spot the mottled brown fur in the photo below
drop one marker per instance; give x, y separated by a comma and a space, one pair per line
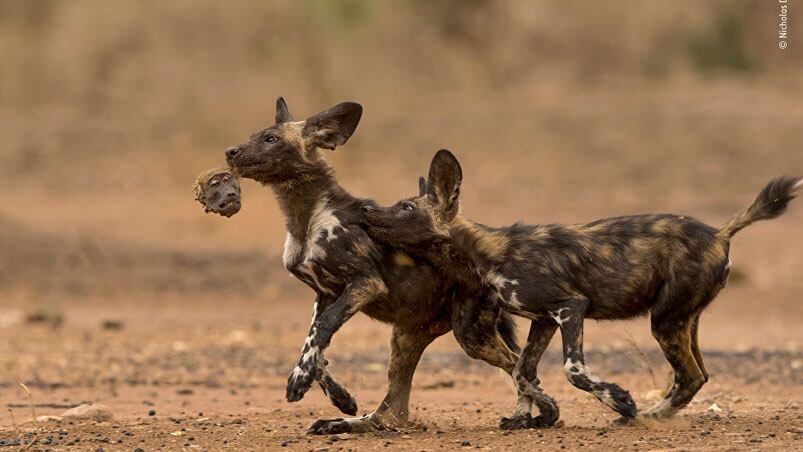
328, 250
210, 188
400, 258
667, 265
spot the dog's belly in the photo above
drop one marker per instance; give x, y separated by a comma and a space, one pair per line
330, 257
415, 300
417, 294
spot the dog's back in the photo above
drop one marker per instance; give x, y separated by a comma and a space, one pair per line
619, 264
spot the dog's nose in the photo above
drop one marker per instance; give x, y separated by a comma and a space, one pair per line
232, 152
231, 195
367, 209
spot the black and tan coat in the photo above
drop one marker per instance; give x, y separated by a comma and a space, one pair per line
327, 249
670, 266
218, 191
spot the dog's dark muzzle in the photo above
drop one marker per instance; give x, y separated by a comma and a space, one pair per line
232, 153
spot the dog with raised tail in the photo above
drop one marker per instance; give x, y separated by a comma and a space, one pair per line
668, 266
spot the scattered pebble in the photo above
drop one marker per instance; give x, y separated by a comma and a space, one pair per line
49, 419
112, 325
714, 408
654, 394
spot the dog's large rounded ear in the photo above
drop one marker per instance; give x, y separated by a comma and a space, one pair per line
282, 112
422, 186
333, 127
445, 177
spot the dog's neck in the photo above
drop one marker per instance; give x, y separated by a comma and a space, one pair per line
299, 196
471, 250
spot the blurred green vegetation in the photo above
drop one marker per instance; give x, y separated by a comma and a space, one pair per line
721, 47
559, 111
86, 83
344, 13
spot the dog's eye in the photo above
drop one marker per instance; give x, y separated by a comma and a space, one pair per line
271, 139
408, 207
213, 182
226, 178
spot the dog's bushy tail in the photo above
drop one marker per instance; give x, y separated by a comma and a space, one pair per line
769, 204
506, 328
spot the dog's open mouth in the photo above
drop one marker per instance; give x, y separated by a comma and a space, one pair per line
228, 204
225, 209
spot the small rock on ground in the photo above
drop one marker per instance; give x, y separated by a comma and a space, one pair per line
88, 412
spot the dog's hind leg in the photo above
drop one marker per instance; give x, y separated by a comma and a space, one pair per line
570, 317
695, 347
406, 348
405, 352
336, 393
475, 326
675, 338
525, 377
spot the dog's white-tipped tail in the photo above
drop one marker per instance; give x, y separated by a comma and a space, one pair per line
769, 204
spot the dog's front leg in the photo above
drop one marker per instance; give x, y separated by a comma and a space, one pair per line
336, 393
354, 297
406, 347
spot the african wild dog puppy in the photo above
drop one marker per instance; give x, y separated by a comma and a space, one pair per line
218, 190
350, 273
671, 266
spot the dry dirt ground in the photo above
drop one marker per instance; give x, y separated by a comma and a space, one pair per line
202, 328
208, 374
203, 338
115, 289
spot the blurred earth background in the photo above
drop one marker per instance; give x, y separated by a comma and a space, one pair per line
115, 288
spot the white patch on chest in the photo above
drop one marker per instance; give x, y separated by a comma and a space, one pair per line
292, 250
305, 256
323, 219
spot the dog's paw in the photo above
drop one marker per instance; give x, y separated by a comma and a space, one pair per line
340, 425
339, 397
548, 410
524, 422
623, 403
298, 384
622, 421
